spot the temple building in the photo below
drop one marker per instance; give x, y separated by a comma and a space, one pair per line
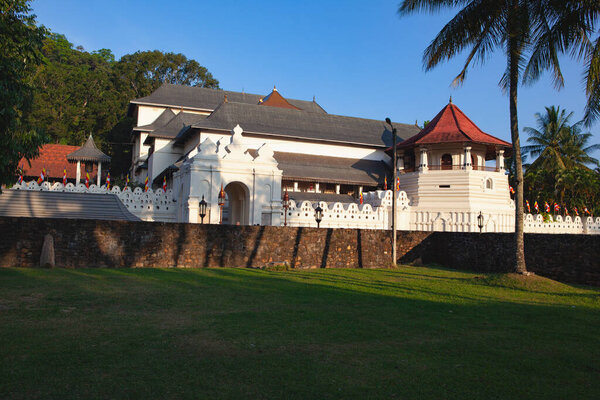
256, 148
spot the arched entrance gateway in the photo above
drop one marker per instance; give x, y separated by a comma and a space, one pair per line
237, 207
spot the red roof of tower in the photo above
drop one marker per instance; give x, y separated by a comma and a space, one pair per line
274, 99
53, 157
451, 125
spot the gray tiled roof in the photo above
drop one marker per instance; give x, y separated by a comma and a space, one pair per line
41, 204
209, 99
176, 125
88, 152
162, 120
299, 124
303, 167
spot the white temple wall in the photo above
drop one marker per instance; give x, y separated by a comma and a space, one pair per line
164, 155
305, 147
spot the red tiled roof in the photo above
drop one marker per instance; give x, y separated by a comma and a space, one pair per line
53, 157
274, 99
451, 125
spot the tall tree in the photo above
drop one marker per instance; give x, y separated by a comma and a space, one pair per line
481, 27
557, 143
569, 27
20, 45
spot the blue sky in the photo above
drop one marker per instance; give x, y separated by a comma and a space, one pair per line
357, 58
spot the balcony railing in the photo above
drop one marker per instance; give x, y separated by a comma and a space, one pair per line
453, 167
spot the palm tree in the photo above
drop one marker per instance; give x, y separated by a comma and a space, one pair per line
568, 27
556, 143
482, 26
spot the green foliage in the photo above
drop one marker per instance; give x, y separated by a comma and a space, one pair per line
78, 92
410, 333
20, 53
560, 173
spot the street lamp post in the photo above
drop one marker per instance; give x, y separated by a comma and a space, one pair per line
389, 122
202, 209
221, 203
480, 221
318, 215
286, 205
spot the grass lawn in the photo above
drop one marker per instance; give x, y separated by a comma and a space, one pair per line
415, 332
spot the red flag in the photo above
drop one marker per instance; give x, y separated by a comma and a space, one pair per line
87, 180
512, 191
361, 198
546, 207
65, 177
585, 210
397, 184
20, 180
146, 184
42, 176
108, 180
527, 205
164, 183
385, 182
556, 208
537, 207
126, 182
576, 211
566, 211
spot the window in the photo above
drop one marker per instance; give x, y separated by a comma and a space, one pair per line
489, 184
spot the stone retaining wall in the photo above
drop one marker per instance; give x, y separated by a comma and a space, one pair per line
92, 243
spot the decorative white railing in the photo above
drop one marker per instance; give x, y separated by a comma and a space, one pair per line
559, 224
375, 213
153, 205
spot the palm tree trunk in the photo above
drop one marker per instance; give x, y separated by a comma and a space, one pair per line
514, 56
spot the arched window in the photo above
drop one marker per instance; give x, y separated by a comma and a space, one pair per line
489, 184
446, 161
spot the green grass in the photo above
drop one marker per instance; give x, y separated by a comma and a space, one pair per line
415, 333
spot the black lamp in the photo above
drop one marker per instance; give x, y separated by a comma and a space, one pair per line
318, 215
202, 209
480, 221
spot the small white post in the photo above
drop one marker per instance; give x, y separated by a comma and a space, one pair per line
337, 189
78, 176
500, 160
295, 186
423, 165
99, 174
467, 161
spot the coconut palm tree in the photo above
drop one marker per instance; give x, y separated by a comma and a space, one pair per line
481, 27
556, 143
569, 27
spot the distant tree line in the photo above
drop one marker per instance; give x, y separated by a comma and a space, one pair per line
77, 92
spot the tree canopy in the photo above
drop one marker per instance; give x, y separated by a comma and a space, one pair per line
20, 53
79, 92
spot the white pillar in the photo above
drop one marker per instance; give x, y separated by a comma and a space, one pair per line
99, 174
317, 188
295, 186
193, 210
500, 160
78, 176
423, 164
467, 158
337, 189
400, 162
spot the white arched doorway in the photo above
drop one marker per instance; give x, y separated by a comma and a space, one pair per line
237, 206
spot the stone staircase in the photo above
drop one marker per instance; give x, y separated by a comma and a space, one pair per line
42, 204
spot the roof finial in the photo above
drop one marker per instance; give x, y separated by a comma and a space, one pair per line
225, 99
274, 88
450, 101
314, 99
